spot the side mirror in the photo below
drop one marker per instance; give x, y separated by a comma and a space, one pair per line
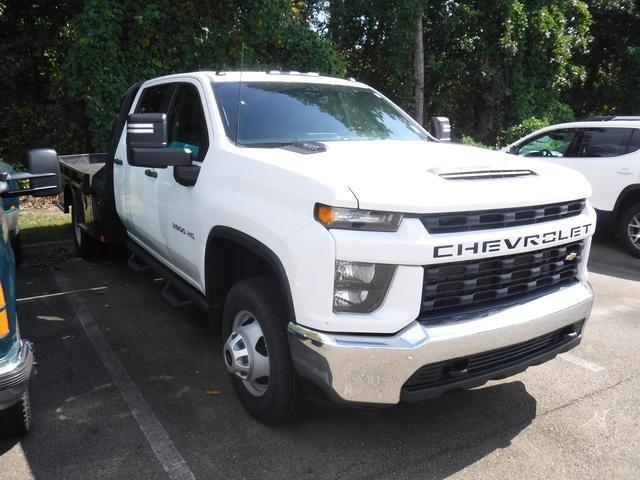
43, 175
44, 161
441, 128
148, 142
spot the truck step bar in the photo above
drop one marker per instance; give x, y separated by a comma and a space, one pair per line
137, 264
183, 289
174, 297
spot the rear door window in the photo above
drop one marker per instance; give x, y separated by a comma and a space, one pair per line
603, 142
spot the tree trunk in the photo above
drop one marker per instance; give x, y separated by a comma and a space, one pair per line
419, 72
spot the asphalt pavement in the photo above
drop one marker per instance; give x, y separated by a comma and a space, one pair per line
130, 387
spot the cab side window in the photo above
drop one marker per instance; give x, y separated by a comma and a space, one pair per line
550, 144
187, 124
603, 142
154, 99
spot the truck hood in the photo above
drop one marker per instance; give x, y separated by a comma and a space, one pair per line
425, 177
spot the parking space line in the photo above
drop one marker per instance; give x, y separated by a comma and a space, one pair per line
40, 297
162, 446
581, 362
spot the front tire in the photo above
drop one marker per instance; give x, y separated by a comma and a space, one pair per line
16, 420
629, 229
256, 352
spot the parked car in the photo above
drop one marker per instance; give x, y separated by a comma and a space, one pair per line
606, 150
346, 253
11, 206
16, 353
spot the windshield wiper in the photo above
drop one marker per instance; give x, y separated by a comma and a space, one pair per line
295, 146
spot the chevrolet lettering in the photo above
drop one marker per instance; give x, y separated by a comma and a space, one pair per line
324, 245
514, 243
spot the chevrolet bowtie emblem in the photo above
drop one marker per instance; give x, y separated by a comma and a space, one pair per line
571, 256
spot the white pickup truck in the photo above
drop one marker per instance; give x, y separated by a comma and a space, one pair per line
348, 255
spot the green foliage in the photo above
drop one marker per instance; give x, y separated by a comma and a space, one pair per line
488, 65
68, 65
525, 127
496, 68
612, 62
467, 140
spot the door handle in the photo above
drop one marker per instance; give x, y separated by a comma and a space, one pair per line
151, 173
624, 171
117, 161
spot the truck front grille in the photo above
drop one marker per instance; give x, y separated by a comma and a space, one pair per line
459, 287
503, 218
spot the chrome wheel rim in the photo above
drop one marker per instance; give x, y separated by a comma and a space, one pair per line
245, 353
633, 231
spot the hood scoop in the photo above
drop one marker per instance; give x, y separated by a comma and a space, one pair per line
482, 174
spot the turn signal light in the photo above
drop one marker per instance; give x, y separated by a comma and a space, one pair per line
4, 316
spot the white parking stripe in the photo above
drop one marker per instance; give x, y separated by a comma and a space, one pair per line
581, 362
160, 443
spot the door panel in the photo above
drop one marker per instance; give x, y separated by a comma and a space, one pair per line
179, 208
139, 198
602, 157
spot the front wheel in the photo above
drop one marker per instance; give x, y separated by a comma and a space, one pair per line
629, 229
16, 420
256, 352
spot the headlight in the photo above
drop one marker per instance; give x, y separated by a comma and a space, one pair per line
360, 287
356, 219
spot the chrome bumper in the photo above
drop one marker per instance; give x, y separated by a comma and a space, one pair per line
373, 369
15, 374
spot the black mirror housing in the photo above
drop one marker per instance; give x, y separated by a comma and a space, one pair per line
441, 128
159, 157
147, 130
148, 140
44, 161
43, 175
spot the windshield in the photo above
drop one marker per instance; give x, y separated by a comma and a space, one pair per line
273, 113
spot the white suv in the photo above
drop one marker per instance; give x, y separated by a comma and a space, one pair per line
606, 150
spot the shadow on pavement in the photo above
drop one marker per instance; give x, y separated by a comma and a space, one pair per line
84, 429
432, 439
609, 257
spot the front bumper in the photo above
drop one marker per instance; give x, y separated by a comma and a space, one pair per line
372, 369
15, 374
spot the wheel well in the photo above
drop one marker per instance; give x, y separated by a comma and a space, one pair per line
232, 256
627, 198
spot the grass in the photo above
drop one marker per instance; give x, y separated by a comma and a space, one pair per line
44, 225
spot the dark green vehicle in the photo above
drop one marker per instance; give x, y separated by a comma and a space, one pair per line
16, 353
11, 207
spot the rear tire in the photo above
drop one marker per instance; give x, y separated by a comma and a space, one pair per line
629, 229
16, 420
277, 396
86, 246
